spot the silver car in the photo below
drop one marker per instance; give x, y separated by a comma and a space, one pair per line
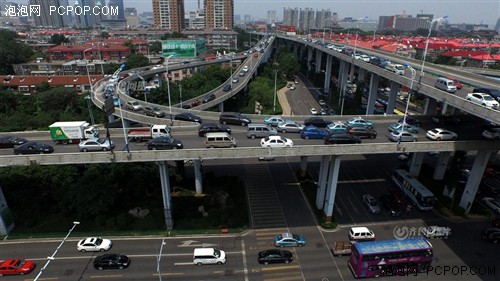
96, 144
404, 136
290, 126
371, 203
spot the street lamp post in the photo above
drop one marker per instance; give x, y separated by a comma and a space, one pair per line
87, 68
89, 106
121, 114
426, 47
100, 57
159, 259
413, 74
51, 258
180, 93
168, 89
275, 80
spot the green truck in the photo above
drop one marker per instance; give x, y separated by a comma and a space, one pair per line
72, 132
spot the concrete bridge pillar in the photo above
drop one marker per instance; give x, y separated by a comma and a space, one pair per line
475, 176
221, 106
416, 163
328, 74
430, 106
351, 73
445, 108
296, 49
393, 93
343, 75
372, 96
323, 176
165, 191
319, 55
332, 187
441, 165
361, 75
309, 58
198, 177
303, 166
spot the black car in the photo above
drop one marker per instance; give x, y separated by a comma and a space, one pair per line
11, 141
362, 132
275, 256
213, 128
207, 98
227, 88
491, 234
33, 148
235, 118
488, 189
410, 121
449, 120
111, 261
342, 138
494, 93
164, 143
186, 116
317, 122
390, 205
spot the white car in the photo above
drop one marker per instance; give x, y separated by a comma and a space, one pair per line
492, 134
492, 204
313, 111
245, 68
94, 244
133, 105
96, 144
292, 87
441, 134
322, 102
483, 99
276, 141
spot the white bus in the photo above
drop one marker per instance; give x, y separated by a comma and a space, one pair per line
421, 197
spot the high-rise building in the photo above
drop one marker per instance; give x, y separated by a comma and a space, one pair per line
271, 17
121, 9
195, 19
497, 26
291, 17
169, 14
84, 20
323, 18
219, 14
46, 19
247, 18
131, 17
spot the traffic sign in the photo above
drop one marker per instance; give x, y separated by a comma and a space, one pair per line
109, 107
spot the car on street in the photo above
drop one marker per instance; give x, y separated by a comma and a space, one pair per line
11, 141
435, 231
491, 134
94, 244
491, 234
245, 68
275, 256
164, 143
410, 120
403, 137
371, 203
390, 205
236, 79
190, 117
487, 188
292, 87
227, 88
208, 97
290, 126
313, 132
446, 120
32, 147
153, 111
96, 144
213, 128
482, 99
495, 93
362, 132
317, 121
457, 83
288, 239
322, 102
398, 127
16, 267
273, 120
439, 134
313, 111
133, 105
492, 203
276, 141
341, 138
337, 127
242, 73
111, 261
358, 121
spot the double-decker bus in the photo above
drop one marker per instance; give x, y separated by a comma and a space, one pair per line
421, 197
390, 257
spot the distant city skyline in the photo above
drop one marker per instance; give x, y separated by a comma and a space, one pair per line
458, 11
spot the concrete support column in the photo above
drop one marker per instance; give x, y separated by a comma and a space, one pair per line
309, 58
372, 96
323, 176
221, 106
319, 55
198, 177
351, 71
332, 187
441, 165
126, 123
328, 74
165, 191
416, 163
430, 106
343, 75
303, 166
361, 76
111, 118
476, 174
444, 109
393, 94
295, 49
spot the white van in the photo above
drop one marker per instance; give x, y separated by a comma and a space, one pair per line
217, 140
361, 234
396, 68
260, 131
208, 256
446, 85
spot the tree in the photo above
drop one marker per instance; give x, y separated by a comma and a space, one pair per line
155, 47
131, 45
12, 52
136, 60
58, 39
104, 35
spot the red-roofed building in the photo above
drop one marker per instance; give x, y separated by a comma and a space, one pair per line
75, 52
28, 84
141, 45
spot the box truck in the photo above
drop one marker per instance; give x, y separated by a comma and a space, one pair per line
72, 132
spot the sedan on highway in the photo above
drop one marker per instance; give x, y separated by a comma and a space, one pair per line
390, 204
186, 116
133, 105
274, 120
371, 203
317, 121
439, 134
313, 132
337, 126
276, 141
96, 144
290, 126
410, 120
275, 256
313, 111
208, 97
398, 127
358, 121
341, 138
111, 261
403, 137
288, 239
94, 244
492, 203
11, 141
483, 99
33, 148
16, 267
164, 143
362, 132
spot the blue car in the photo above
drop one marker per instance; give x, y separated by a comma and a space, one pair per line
312, 132
398, 127
359, 122
288, 239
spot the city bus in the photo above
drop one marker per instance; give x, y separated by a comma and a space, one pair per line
420, 196
390, 257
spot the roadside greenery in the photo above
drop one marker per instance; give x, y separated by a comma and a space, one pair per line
11, 51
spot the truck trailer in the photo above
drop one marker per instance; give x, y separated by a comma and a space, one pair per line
72, 132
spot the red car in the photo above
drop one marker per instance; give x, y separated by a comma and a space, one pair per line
457, 83
16, 267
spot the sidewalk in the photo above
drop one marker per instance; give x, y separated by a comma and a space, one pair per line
283, 100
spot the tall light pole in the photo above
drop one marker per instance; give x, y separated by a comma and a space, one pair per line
159, 259
51, 258
89, 106
87, 68
168, 88
413, 74
121, 112
231, 74
275, 80
427, 46
180, 93
100, 57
